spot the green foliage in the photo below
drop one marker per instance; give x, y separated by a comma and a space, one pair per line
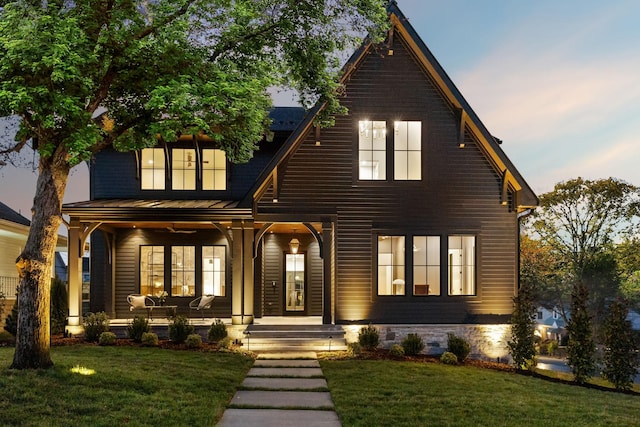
225, 344
396, 350
107, 338
369, 337
95, 324
11, 321
458, 346
217, 331
354, 349
59, 305
448, 358
6, 338
522, 343
3, 298
138, 326
620, 347
581, 347
412, 344
149, 339
552, 347
193, 341
180, 329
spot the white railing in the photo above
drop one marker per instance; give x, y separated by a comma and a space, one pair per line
8, 286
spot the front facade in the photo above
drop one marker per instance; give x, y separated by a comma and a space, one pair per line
404, 212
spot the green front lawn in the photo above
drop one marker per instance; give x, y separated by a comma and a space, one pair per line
131, 385
395, 393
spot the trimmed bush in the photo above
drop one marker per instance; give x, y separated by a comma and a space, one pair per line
95, 324
458, 346
217, 331
193, 341
59, 306
449, 358
225, 344
396, 350
6, 338
412, 344
354, 349
369, 337
149, 339
180, 329
11, 321
138, 326
107, 338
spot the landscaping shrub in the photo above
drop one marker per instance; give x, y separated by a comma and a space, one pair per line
522, 345
412, 344
369, 337
449, 358
107, 338
581, 348
396, 350
217, 331
180, 329
138, 326
458, 346
11, 321
620, 359
59, 306
6, 338
149, 339
193, 341
225, 344
354, 349
552, 347
95, 324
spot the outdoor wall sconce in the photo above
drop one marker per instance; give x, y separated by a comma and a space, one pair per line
294, 244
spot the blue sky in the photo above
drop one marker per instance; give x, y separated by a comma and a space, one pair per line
557, 81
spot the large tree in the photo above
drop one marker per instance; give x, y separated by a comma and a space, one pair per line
84, 75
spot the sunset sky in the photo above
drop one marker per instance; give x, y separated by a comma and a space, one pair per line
557, 81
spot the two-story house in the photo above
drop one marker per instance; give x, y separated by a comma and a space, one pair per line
405, 211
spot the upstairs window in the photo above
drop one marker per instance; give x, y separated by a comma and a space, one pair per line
462, 265
372, 150
152, 174
391, 265
183, 169
407, 154
214, 169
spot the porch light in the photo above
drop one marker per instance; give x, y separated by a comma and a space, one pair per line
294, 245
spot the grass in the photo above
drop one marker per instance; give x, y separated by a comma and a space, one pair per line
385, 393
131, 385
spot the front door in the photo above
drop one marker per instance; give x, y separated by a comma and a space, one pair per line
295, 284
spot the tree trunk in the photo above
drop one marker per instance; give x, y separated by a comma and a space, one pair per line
35, 265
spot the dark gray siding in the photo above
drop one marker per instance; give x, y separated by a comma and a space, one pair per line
459, 194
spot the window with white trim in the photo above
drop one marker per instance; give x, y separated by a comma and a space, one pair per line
391, 265
462, 265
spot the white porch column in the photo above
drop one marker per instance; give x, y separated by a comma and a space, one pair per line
236, 273
247, 261
74, 322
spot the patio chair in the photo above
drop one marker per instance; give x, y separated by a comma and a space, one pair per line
141, 302
205, 302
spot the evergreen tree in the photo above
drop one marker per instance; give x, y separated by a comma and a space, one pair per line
522, 346
620, 360
59, 306
11, 322
581, 348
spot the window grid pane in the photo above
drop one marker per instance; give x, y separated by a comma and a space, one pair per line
372, 142
407, 148
151, 270
183, 270
183, 169
214, 169
462, 268
391, 265
426, 265
213, 270
152, 169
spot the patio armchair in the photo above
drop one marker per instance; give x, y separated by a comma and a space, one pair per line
205, 302
141, 302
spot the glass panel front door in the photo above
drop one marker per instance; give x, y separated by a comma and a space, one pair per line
295, 283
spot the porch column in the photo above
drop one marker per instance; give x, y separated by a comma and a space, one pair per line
327, 272
247, 260
236, 273
74, 321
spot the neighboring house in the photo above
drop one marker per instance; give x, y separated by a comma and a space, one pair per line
406, 211
549, 324
14, 230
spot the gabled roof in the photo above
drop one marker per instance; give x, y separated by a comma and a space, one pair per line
512, 179
8, 214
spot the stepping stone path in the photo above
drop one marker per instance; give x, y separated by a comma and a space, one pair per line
281, 390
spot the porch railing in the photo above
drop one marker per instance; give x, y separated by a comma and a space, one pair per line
8, 286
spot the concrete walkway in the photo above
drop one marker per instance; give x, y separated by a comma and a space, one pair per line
281, 390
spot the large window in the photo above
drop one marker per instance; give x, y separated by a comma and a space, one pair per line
183, 271
151, 270
372, 150
213, 270
214, 169
152, 167
391, 265
462, 262
426, 265
183, 169
407, 149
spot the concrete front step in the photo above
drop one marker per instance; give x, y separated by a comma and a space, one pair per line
282, 399
294, 337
